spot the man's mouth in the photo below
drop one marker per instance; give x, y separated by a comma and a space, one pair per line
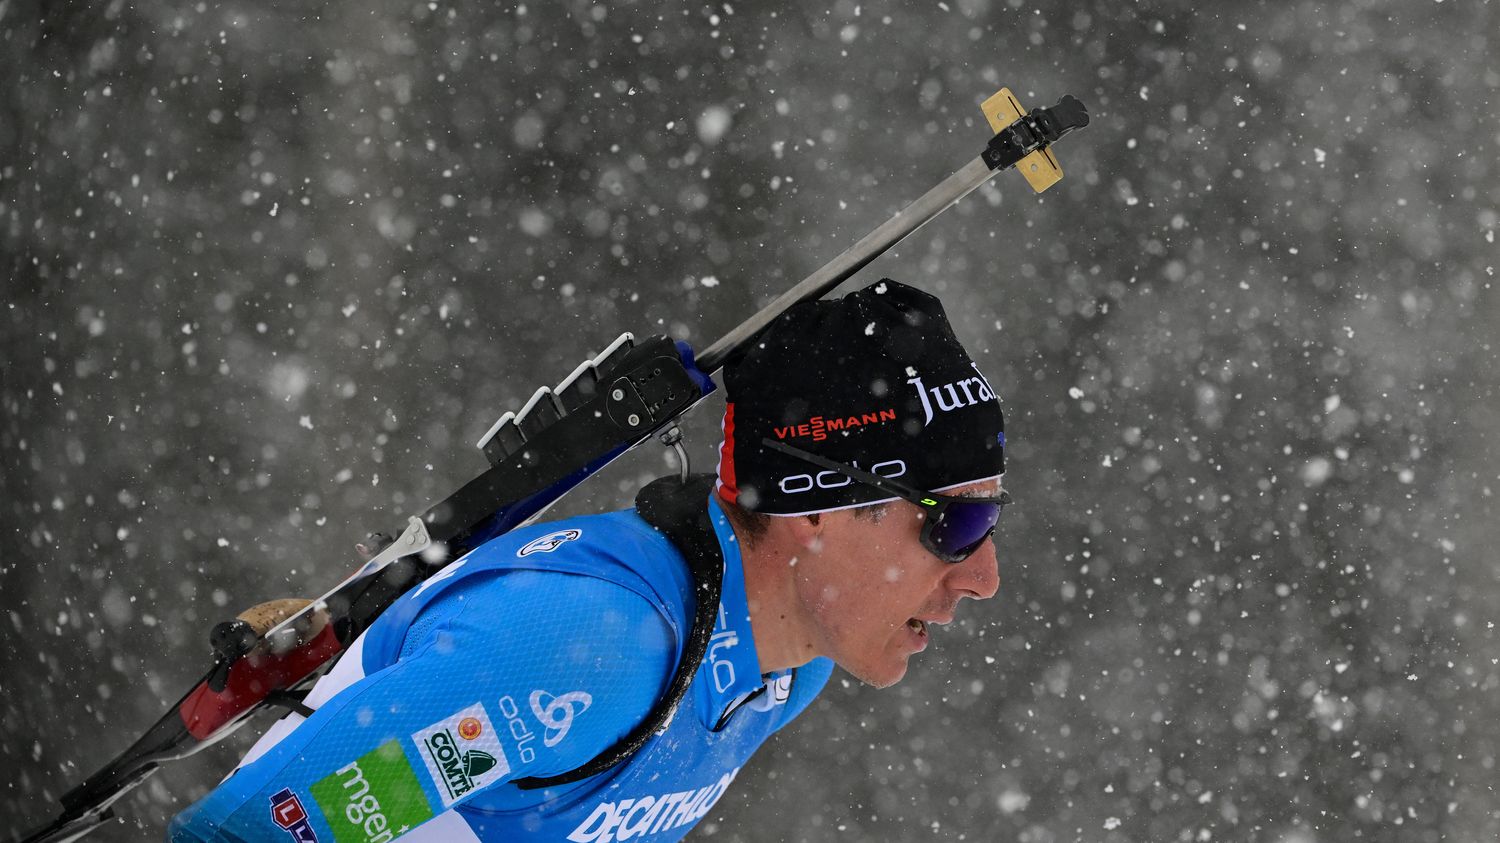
921, 625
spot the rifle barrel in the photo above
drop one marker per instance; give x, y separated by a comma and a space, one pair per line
852, 260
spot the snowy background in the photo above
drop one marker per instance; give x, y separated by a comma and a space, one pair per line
271, 269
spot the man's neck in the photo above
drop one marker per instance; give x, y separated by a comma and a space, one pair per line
777, 619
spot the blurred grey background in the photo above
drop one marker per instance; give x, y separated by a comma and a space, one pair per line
270, 269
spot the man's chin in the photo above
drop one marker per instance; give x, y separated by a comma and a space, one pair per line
879, 676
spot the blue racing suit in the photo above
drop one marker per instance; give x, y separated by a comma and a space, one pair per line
527, 657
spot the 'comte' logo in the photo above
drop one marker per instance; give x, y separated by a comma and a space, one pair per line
459, 768
462, 753
288, 813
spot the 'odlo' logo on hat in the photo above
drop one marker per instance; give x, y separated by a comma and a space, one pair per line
975, 391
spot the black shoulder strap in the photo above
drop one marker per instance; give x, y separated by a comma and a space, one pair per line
680, 511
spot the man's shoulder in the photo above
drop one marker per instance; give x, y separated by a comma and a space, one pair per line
620, 533
614, 557
616, 546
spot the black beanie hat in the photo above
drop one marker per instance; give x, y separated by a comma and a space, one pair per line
875, 379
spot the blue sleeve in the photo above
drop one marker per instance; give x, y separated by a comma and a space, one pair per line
516, 674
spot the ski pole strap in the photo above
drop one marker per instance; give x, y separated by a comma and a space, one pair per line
294, 701
680, 510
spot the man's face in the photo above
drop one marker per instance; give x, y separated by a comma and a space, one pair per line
874, 591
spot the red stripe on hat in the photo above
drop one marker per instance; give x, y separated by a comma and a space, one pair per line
727, 488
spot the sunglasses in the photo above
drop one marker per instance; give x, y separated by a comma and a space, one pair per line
953, 527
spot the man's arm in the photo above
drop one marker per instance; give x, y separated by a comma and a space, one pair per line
514, 674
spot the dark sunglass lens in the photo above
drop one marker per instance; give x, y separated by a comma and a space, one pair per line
964, 526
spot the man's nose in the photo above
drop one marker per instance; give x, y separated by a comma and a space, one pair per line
979, 575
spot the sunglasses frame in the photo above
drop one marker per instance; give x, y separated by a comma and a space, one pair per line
933, 504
